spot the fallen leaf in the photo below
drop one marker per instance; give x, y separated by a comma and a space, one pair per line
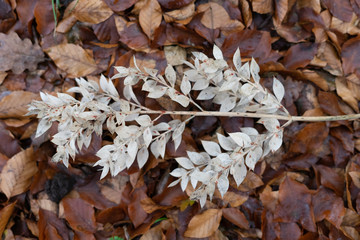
295, 204
300, 55
175, 55
204, 225
51, 227
174, 4
150, 18
44, 17
236, 217
328, 206
331, 179
263, 6
15, 105
79, 214
73, 59
92, 11
118, 6
350, 56
339, 8
182, 15
5, 215
16, 176
214, 15
18, 55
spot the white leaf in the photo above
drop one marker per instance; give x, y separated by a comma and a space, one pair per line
271, 124
200, 84
212, 148
174, 183
197, 158
147, 135
163, 126
237, 59
185, 85
217, 53
42, 127
184, 182
143, 120
199, 55
239, 172
250, 131
154, 149
179, 98
229, 85
223, 184
178, 131
225, 159
132, 149
228, 104
177, 142
226, 142
142, 156
148, 85
105, 171
185, 162
157, 92
255, 69
241, 139
103, 83
122, 72
162, 146
129, 94
278, 89
170, 75
178, 172
245, 71
207, 93
253, 157
275, 141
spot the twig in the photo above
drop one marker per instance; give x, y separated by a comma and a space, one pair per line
254, 115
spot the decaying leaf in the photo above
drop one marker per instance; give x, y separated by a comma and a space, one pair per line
17, 173
5, 215
15, 104
18, 55
150, 17
92, 11
204, 224
73, 59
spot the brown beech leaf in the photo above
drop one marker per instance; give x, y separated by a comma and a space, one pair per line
331, 179
295, 204
119, 6
350, 55
182, 15
73, 59
174, 4
328, 206
44, 17
51, 227
310, 139
79, 214
341, 9
92, 11
281, 8
150, 17
300, 55
215, 15
15, 104
236, 217
5, 215
204, 225
17, 174
18, 55
263, 6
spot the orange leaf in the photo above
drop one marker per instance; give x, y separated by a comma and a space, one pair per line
92, 11
204, 224
150, 17
17, 173
15, 104
5, 215
73, 59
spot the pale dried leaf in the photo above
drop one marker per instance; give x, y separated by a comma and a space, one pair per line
170, 75
241, 139
18, 55
278, 89
185, 85
17, 173
150, 17
73, 59
237, 59
185, 162
15, 104
92, 11
212, 148
205, 224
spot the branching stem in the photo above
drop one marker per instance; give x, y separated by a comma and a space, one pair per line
255, 115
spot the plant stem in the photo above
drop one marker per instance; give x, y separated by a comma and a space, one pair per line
255, 115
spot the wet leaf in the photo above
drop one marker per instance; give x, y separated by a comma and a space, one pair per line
73, 59
17, 54
300, 55
16, 176
204, 224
